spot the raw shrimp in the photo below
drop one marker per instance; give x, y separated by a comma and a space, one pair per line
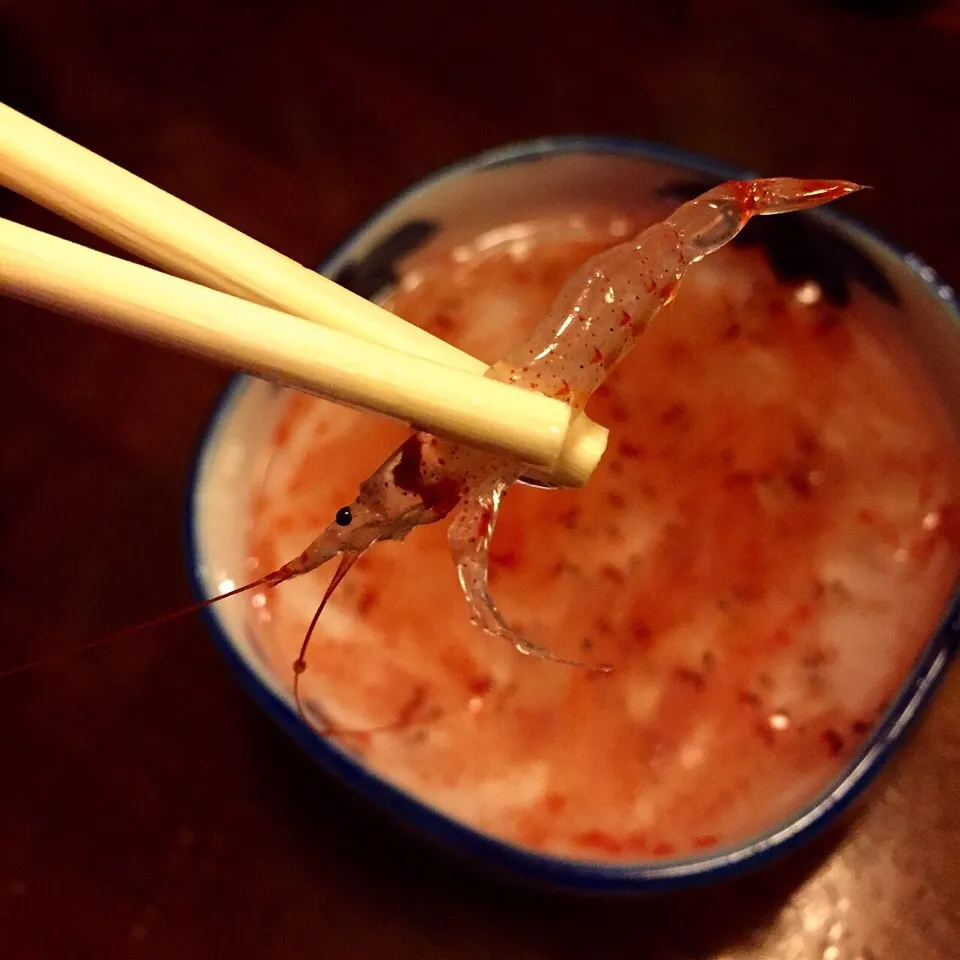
594, 321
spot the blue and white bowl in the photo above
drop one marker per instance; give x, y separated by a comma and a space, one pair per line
508, 184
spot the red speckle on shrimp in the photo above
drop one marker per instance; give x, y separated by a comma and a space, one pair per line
439, 496
483, 522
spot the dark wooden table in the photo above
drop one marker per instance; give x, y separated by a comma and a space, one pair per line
147, 809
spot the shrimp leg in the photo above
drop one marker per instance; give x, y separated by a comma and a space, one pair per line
469, 537
594, 321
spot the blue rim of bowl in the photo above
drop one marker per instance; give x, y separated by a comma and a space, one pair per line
585, 876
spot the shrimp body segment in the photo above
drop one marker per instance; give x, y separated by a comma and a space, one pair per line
595, 320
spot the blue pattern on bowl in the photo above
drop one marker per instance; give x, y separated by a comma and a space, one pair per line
376, 271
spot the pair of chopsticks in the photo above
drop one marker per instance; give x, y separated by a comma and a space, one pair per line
250, 307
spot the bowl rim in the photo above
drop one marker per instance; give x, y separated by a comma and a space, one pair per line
557, 872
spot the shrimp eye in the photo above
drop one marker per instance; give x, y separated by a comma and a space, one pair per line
344, 516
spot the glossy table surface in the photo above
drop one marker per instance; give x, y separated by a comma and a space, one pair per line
147, 809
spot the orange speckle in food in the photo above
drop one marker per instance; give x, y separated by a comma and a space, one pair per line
834, 742
731, 332
281, 433
598, 840
286, 523
633, 451
692, 678
366, 600
505, 559
444, 324
636, 842
554, 802
676, 415
611, 573
480, 686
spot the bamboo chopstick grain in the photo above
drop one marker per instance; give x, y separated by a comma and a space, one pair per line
73, 279
164, 230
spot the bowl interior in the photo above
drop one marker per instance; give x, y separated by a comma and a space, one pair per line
516, 184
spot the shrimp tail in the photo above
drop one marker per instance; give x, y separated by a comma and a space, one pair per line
469, 539
713, 219
788, 195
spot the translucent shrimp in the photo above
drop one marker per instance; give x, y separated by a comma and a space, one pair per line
597, 317
595, 320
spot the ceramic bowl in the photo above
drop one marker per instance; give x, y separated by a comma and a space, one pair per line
474, 195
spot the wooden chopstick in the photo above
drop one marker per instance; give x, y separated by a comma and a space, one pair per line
452, 403
162, 229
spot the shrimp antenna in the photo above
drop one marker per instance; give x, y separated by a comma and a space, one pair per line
300, 664
269, 579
